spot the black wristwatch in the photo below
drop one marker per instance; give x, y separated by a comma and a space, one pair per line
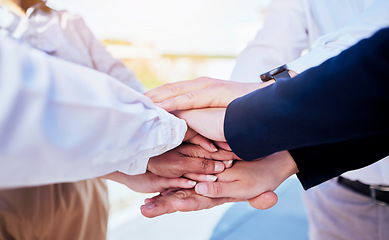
276, 73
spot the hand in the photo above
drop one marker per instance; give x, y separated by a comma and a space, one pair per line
245, 180
200, 93
208, 122
190, 159
193, 137
149, 182
186, 200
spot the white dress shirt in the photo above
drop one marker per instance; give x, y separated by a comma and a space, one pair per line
324, 28
62, 121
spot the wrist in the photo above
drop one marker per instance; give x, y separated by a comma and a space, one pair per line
290, 165
292, 73
116, 176
284, 164
278, 73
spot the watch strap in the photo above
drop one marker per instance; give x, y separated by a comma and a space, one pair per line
283, 74
276, 73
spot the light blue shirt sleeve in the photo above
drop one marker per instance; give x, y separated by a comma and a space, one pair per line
61, 122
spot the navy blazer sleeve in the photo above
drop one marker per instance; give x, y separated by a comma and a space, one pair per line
320, 163
345, 98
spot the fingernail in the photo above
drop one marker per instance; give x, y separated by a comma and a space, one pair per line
211, 178
213, 147
191, 183
150, 205
201, 189
219, 167
228, 163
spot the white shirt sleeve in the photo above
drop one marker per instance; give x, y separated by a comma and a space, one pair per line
61, 122
282, 39
329, 45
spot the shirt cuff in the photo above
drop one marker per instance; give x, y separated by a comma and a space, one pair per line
322, 51
311, 59
171, 132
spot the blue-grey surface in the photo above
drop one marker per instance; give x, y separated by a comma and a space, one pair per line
286, 220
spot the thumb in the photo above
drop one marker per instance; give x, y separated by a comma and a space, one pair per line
264, 201
220, 189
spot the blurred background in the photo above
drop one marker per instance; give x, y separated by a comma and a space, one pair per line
171, 40
167, 41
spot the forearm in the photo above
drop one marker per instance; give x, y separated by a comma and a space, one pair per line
61, 122
318, 164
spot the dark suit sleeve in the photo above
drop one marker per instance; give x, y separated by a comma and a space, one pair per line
345, 98
320, 163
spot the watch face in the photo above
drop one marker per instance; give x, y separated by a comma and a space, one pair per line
266, 77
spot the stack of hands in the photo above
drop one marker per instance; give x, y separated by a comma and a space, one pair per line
203, 172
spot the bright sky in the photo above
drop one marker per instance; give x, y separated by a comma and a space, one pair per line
175, 26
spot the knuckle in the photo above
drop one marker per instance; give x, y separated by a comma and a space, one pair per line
180, 194
190, 95
176, 89
218, 85
167, 85
217, 188
206, 165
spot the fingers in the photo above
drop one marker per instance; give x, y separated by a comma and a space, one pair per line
201, 177
189, 158
264, 201
203, 142
184, 159
182, 200
200, 93
152, 199
228, 163
171, 90
195, 151
190, 100
160, 205
185, 165
166, 183
218, 94
235, 190
197, 202
221, 189
223, 145
167, 191
187, 200
200, 165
